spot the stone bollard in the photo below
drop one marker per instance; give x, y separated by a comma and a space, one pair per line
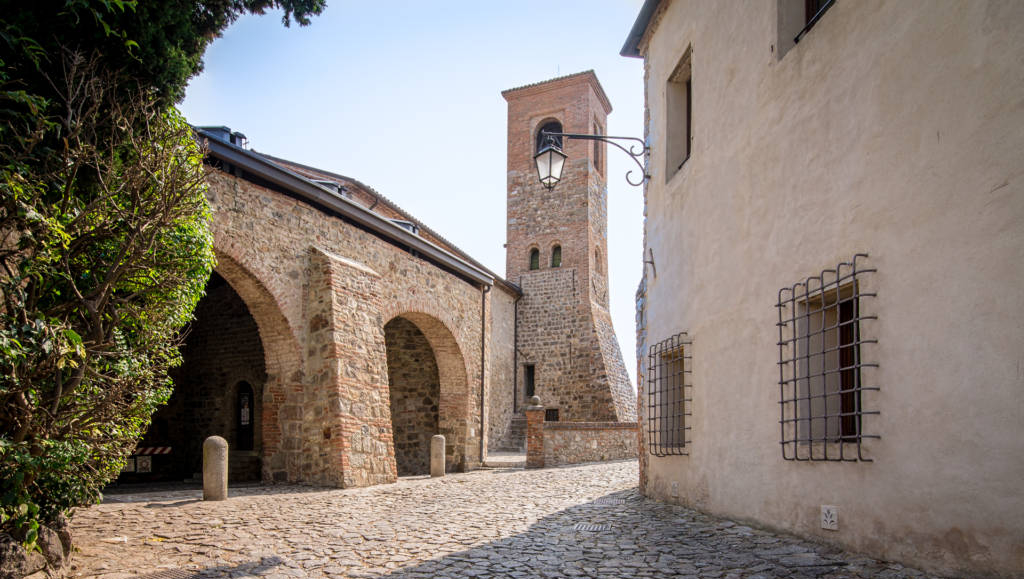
437, 455
535, 434
215, 469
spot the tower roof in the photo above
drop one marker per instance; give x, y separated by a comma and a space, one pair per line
560, 82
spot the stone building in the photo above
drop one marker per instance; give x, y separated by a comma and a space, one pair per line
339, 333
832, 316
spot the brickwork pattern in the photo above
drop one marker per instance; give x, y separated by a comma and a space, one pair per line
564, 328
535, 437
578, 442
320, 292
414, 389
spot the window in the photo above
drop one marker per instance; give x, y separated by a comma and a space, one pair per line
668, 396
795, 18
598, 151
528, 384
548, 127
534, 258
679, 109
556, 256
821, 359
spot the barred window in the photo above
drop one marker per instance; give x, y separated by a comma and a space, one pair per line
821, 362
668, 396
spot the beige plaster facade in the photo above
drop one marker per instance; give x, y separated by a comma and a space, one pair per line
893, 129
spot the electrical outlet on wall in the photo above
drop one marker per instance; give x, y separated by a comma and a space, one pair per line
829, 517
675, 489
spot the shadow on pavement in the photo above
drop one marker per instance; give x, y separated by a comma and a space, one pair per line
624, 535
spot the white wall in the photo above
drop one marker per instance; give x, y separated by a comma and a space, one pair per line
895, 129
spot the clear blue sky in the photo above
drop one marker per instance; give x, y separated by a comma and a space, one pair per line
405, 97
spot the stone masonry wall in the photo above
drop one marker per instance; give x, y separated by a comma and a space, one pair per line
415, 390
576, 442
560, 344
321, 291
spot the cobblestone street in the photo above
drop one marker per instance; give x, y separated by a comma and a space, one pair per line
583, 521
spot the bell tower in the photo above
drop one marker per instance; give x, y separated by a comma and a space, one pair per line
557, 248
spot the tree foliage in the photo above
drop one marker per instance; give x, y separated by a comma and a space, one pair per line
105, 244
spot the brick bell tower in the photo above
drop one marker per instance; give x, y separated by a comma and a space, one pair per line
557, 248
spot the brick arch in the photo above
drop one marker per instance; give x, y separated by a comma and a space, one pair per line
453, 376
282, 359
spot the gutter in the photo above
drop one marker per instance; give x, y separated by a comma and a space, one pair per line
320, 196
631, 48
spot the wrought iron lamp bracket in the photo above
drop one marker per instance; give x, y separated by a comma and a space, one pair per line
632, 151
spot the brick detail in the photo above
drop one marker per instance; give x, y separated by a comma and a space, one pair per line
535, 437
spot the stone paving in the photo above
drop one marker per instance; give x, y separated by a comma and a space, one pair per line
580, 521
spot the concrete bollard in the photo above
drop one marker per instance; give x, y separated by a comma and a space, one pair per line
215, 469
437, 455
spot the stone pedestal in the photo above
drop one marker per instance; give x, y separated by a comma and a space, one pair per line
215, 469
437, 455
535, 434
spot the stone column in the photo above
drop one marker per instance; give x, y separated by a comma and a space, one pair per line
437, 455
215, 469
535, 434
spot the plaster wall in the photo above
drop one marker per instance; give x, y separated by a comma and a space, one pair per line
894, 129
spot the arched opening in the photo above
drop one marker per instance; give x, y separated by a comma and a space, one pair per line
548, 127
415, 393
428, 392
217, 391
556, 256
534, 258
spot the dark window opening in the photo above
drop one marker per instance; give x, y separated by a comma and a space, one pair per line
668, 396
549, 127
598, 151
528, 384
550, 415
556, 256
679, 111
821, 360
534, 259
813, 11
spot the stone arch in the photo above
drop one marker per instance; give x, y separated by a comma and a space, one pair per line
283, 362
453, 380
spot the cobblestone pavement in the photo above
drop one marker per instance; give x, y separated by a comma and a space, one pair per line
582, 521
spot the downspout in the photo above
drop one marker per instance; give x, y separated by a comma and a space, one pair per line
515, 355
484, 290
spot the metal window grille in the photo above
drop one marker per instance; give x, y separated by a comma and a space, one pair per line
669, 396
822, 367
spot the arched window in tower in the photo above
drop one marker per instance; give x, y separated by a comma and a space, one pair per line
534, 258
597, 259
556, 256
549, 127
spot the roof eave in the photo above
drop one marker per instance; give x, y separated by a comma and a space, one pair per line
323, 197
631, 48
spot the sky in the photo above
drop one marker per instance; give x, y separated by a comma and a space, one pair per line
405, 96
